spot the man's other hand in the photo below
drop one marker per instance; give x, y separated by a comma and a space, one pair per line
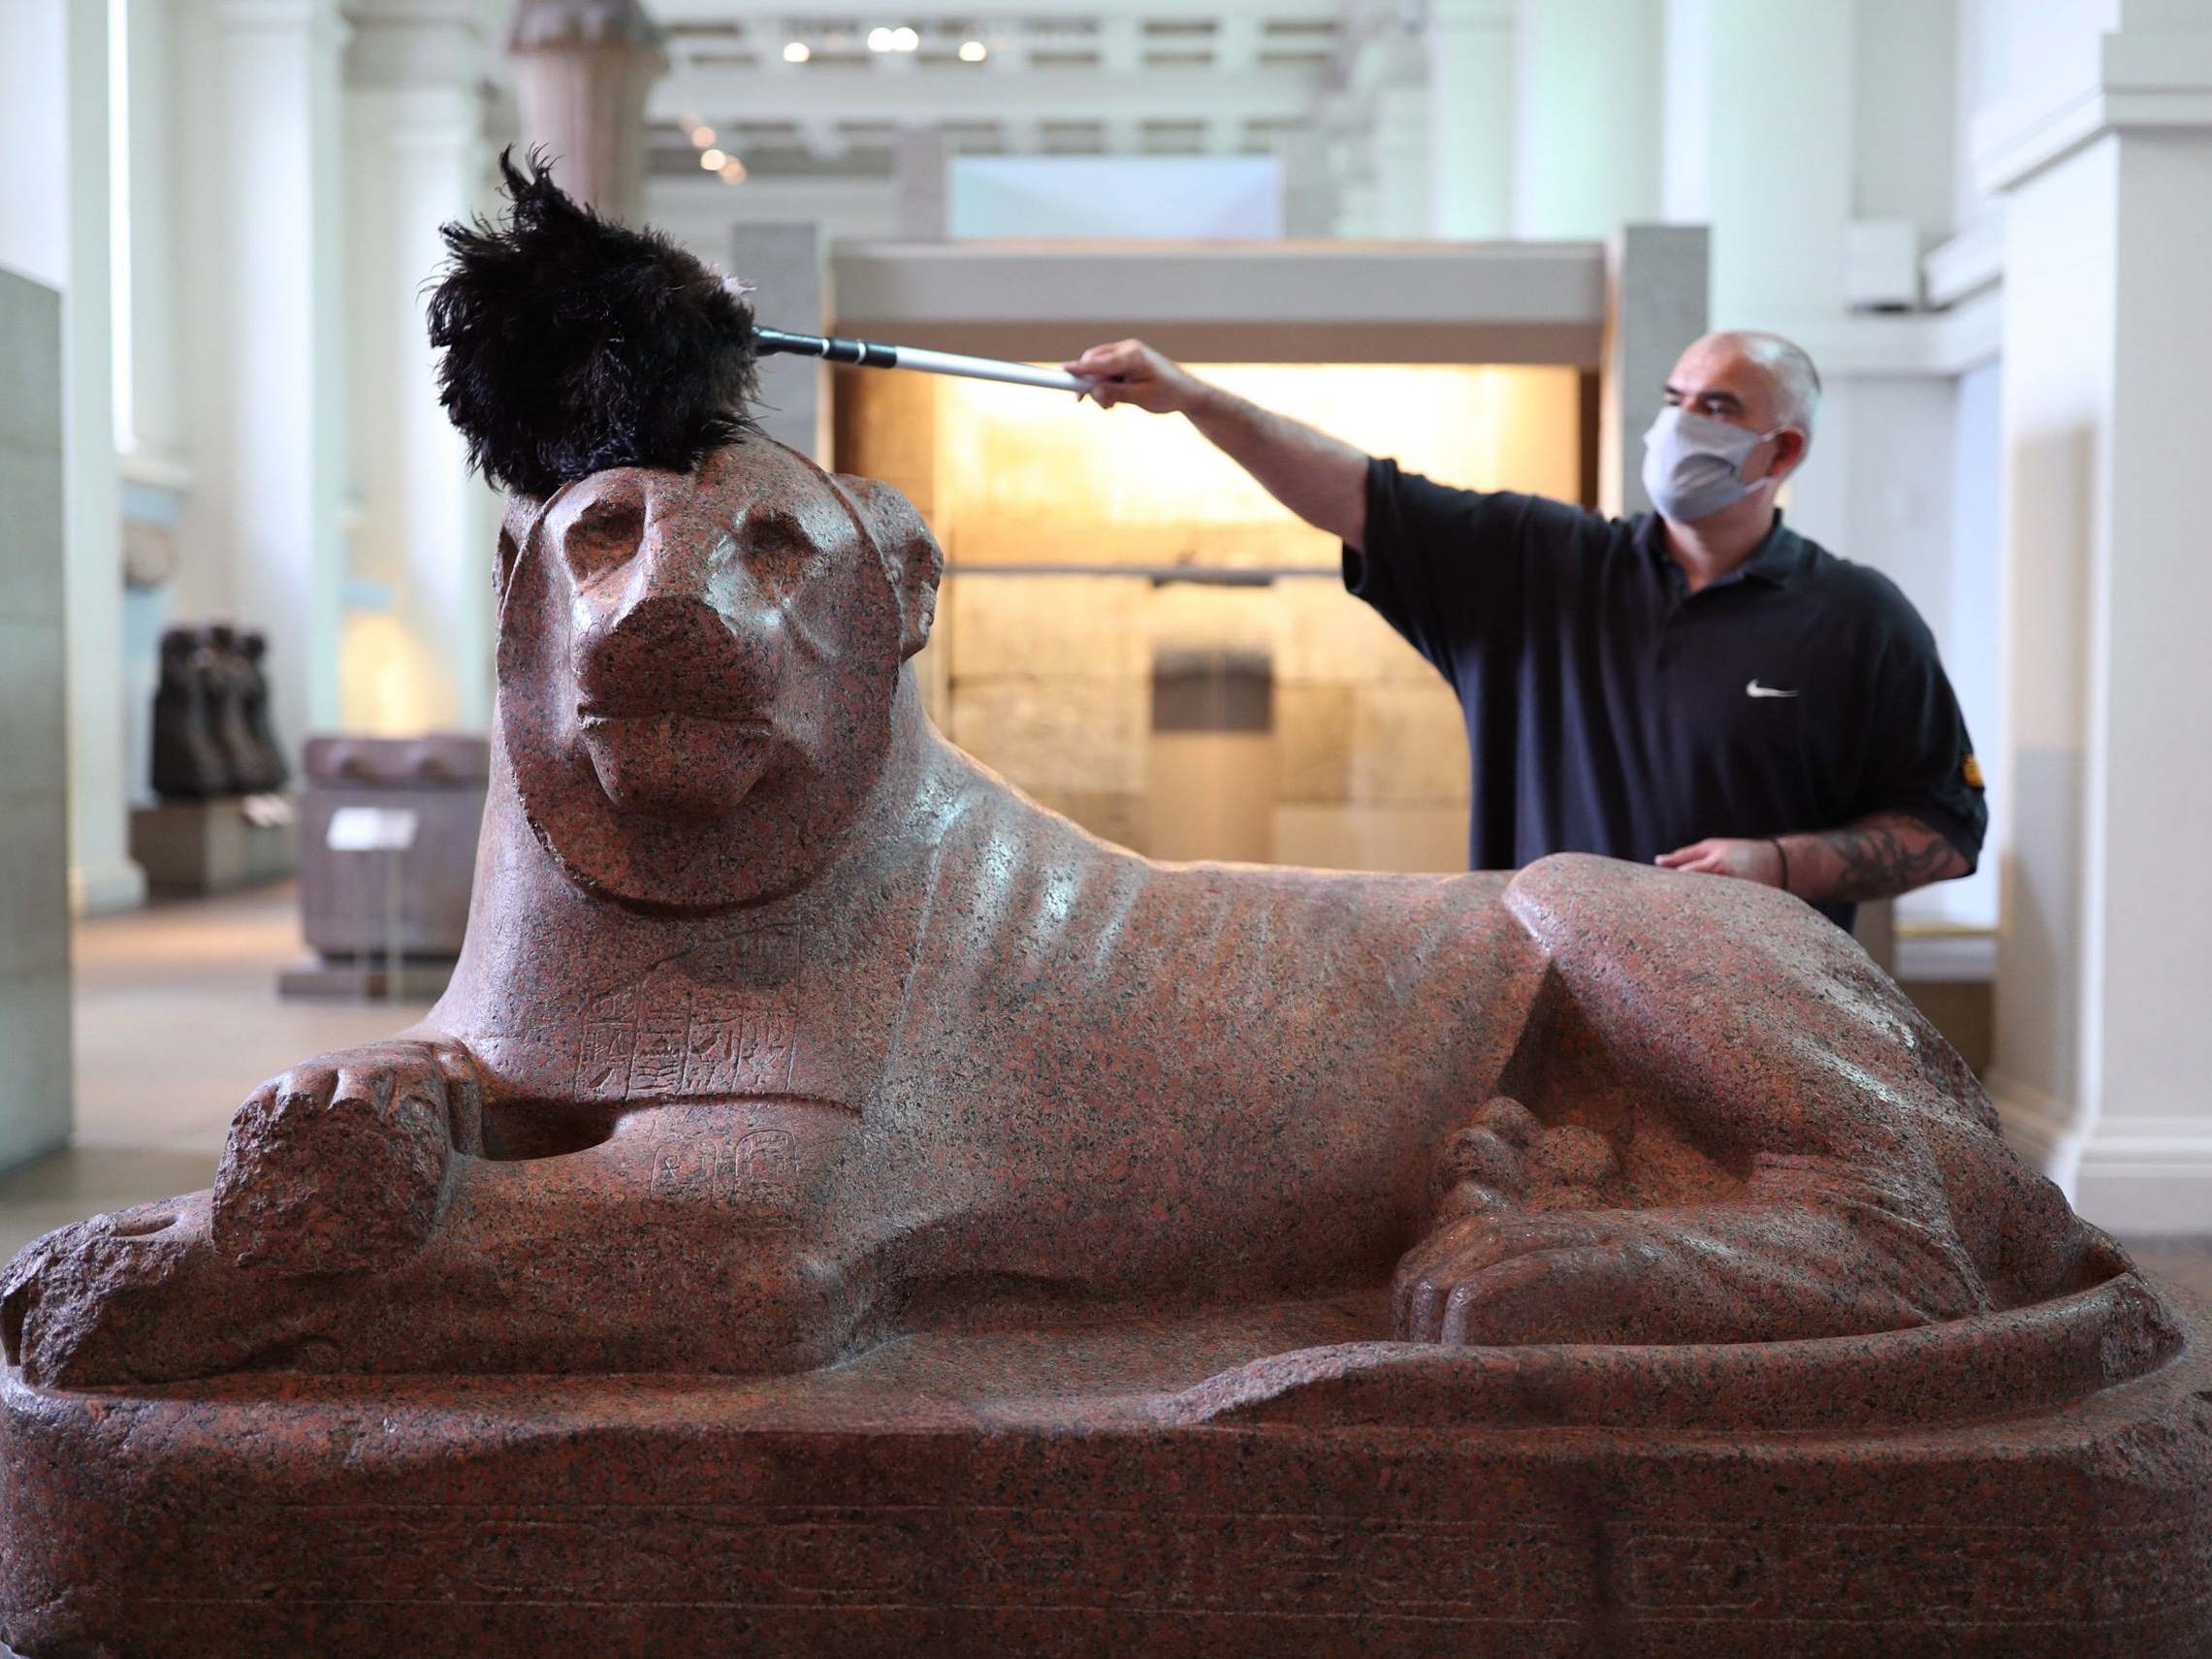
1747, 860
1129, 372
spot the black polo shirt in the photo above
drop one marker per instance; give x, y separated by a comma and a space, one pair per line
1611, 710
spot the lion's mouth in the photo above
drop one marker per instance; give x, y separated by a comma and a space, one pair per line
737, 723
677, 765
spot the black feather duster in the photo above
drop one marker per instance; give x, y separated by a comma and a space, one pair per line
572, 344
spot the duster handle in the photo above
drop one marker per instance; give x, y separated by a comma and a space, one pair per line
869, 354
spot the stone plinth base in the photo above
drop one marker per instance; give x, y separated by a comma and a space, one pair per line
367, 980
191, 848
1082, 1494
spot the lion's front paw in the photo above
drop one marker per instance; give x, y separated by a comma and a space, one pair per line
83, 1302
341, 1165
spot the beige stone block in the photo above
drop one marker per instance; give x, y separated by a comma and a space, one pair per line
1119, 818
1184, 616
1326, 634
1056, 529
1314, 742
1409, 745
1064, 736
1038, 626
1210, 796
1411, 839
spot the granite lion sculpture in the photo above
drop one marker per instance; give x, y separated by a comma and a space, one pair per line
783, 1028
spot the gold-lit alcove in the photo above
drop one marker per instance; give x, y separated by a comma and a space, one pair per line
1138, 635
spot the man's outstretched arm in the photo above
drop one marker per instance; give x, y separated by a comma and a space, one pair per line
1878, 857
1323, 480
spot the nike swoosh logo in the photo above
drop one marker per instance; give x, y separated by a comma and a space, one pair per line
1752, 688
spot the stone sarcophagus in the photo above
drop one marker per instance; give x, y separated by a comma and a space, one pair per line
839, 1207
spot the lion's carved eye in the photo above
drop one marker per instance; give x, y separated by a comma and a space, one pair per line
605, 533
776, 546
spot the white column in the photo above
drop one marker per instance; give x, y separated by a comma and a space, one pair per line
1587, 95
2104, 972
1759, 126
1468, 48
101, 874
418, 641
582, 69
264, 378
1310, 204
1401, 162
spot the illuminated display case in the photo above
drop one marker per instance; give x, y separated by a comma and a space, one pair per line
1131, 630
1137, 634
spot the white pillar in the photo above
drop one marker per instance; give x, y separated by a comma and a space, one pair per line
1401, 162
1310, 204
263, 386
1468, 48
1760, 145
101, 874
418, 654
1587, 103
582, 70
2104, 972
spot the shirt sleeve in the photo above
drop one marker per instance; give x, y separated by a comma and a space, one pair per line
1440, 564
1924, 763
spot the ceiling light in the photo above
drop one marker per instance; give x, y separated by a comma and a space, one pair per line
733, 171
702, 136
878, 39
796, 51
713, 160
973, 51
903, 38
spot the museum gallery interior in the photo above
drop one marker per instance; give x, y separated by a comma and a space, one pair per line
1117, 827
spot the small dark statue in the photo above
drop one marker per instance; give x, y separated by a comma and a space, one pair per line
268, 772
188, 763
212, 731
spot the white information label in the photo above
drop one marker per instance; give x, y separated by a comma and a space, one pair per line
372, 829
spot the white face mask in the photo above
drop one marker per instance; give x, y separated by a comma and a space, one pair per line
1693, 465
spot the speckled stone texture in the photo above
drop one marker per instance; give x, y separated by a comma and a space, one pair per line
839, 1206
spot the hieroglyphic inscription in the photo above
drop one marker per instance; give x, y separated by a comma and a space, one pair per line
757, 1171
1280, 1565
1263, 1564
719, 1023
1947, 1575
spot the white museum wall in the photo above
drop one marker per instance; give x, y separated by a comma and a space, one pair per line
54, 225
2103, 150
34, 137
35, 1105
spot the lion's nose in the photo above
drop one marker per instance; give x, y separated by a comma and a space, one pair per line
677, 652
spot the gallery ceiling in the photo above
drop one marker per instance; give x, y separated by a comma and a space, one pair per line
825, 90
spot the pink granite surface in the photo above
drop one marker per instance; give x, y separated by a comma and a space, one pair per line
839, 1206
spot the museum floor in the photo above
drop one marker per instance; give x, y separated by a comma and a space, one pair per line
177, 1018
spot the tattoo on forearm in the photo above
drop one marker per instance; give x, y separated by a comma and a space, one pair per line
1882, 857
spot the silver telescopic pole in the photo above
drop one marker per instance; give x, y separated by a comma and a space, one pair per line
869, 354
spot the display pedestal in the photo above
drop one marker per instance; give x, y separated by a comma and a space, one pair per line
192, 847
388, 855
416, 979
1155, 1489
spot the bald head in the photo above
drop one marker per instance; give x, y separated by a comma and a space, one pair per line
1751, 378
1796, 382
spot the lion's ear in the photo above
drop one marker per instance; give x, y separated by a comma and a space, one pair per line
912, 561
516, 522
